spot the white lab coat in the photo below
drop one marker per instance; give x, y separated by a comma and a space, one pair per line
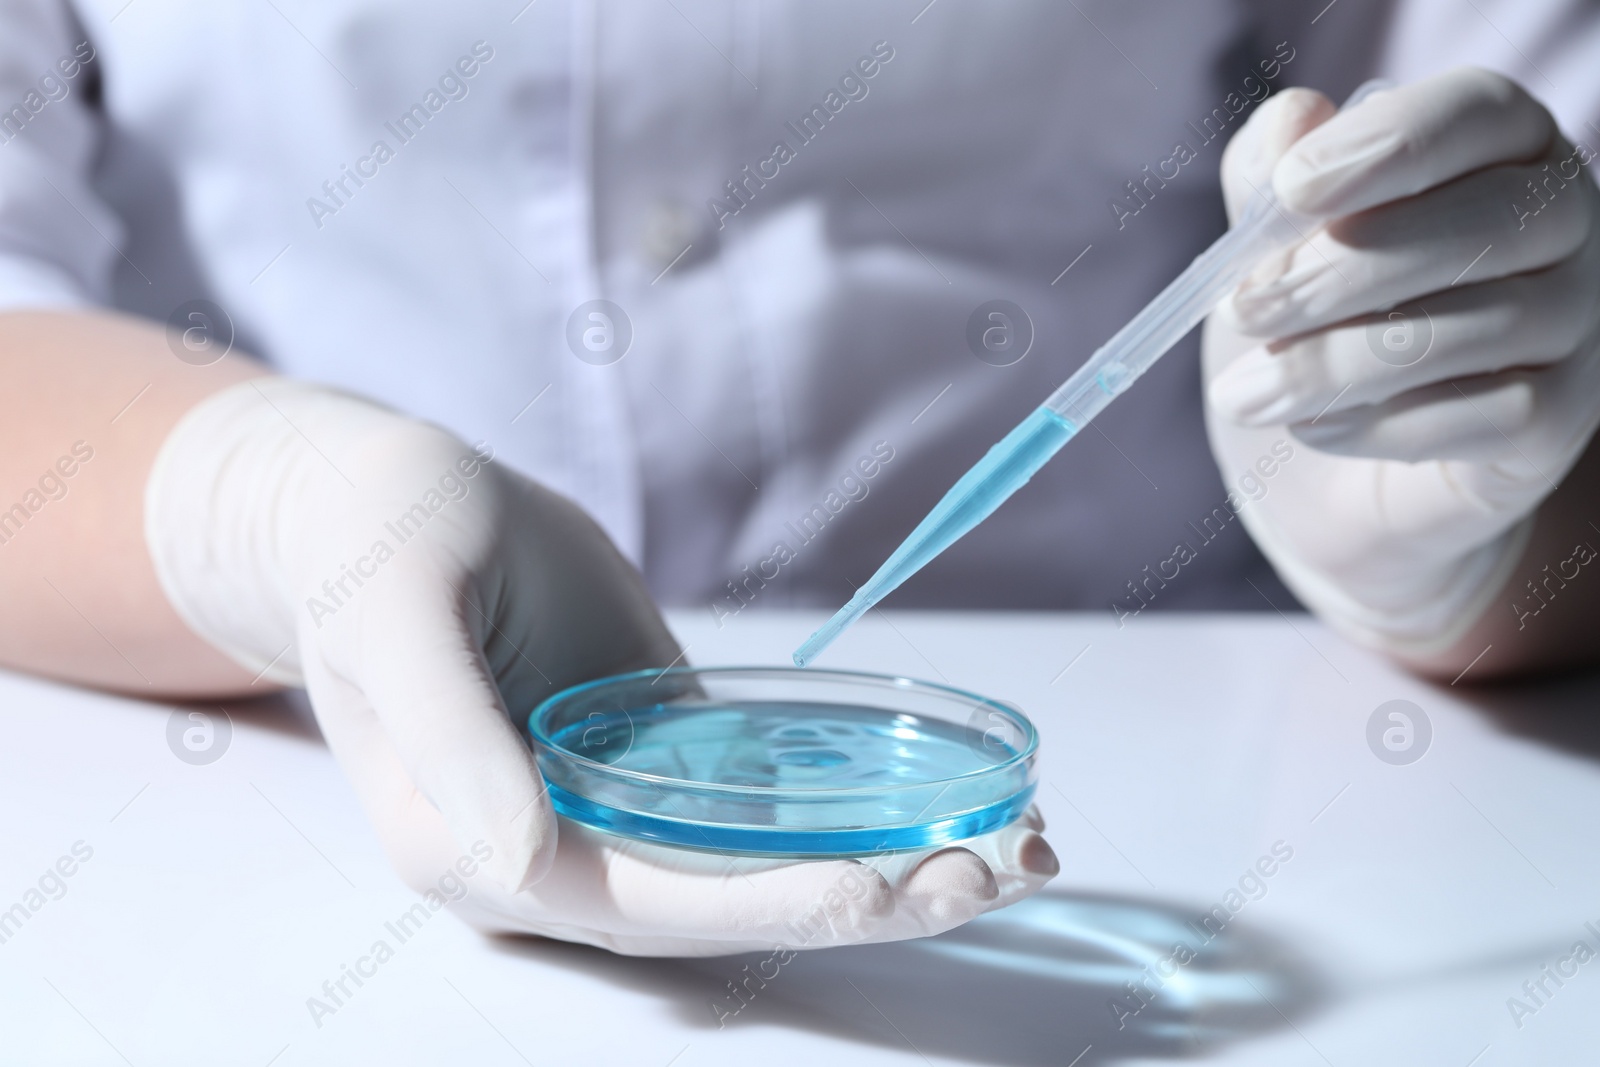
799, 386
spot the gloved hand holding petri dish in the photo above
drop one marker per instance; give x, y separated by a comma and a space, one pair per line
429, 599
803, 809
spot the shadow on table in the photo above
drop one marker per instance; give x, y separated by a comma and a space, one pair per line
1032, 984
287, 712
1562, 712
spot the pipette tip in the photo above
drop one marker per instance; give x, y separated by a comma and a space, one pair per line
813, 646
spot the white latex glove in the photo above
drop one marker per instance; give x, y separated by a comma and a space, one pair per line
1414, 500
428, 599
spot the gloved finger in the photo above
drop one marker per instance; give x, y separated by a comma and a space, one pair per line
1401, 141
612, 885
945, 888
421, 665
538, 913
957, 884
1021, 859
1533, 418
411, 830
641, 899
1528, 320
1252, 154
942, 890
1465, 231
811, 904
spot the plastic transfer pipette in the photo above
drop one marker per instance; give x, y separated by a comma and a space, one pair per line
1263, 228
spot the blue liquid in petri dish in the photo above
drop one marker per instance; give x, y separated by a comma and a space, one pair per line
773, 774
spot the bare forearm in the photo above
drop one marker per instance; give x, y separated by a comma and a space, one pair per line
90, 398
1547, 615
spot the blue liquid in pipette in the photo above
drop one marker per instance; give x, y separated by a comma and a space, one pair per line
1003, 470
1263, 227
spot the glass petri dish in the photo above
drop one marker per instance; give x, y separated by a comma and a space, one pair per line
779, 761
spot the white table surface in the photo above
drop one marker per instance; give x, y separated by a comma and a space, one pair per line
1176, 751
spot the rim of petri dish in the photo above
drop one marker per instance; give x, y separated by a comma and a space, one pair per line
1027, 751
624, 801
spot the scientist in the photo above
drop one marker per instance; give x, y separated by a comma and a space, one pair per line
412, 352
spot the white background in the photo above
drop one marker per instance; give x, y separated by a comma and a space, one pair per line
1176, 751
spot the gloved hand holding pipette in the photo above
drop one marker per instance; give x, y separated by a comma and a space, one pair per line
1434, 343
1453, 417
1263, 227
